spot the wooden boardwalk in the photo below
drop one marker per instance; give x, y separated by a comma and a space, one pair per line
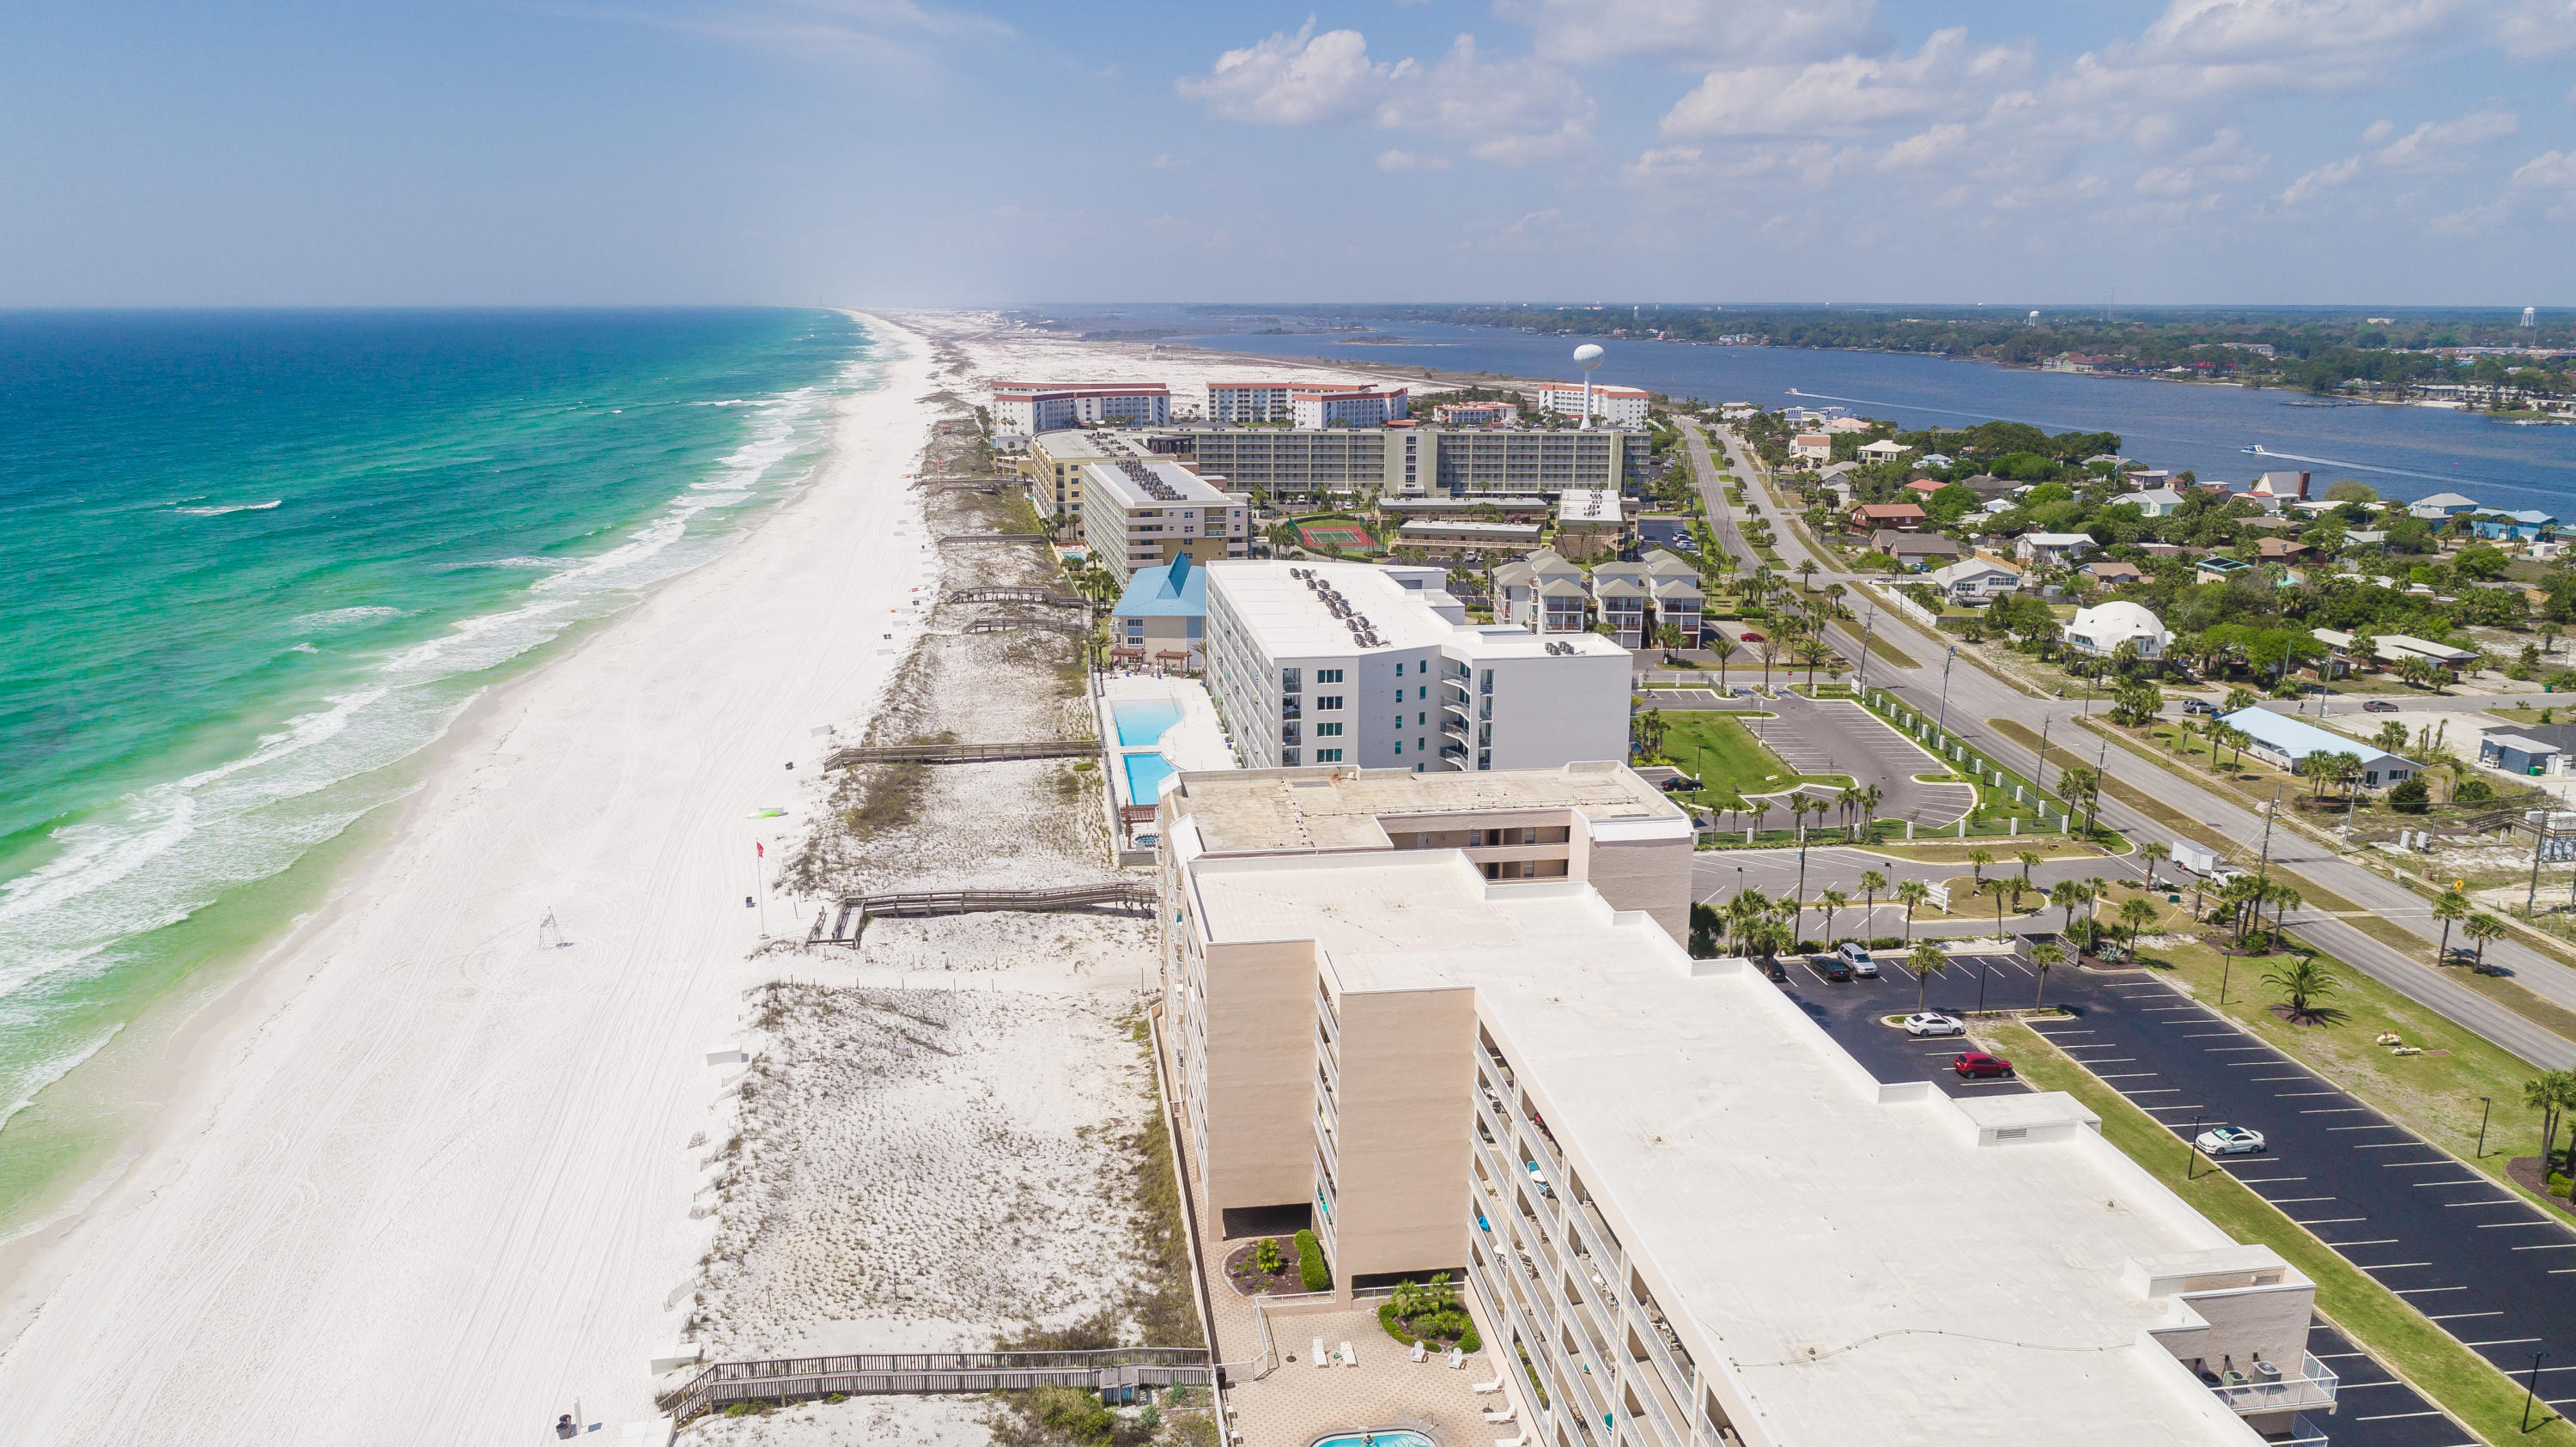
857, 909
1117, 1372
962, 753
993, 538
998, 594
1011, 623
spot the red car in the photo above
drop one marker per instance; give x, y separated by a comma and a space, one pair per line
1978, 1065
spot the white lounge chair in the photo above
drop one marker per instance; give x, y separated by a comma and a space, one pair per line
1348, 1360
1499, 1418
1457, 1359
1481, 1388
1420, 1351
1519, 1441
1321, 1360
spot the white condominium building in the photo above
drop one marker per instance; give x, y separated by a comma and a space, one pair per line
1250, 401
1476, 414
1346, 407
1035, 407
1415, 461
1615, 404
1669, 1192
1349, 663
1138, 514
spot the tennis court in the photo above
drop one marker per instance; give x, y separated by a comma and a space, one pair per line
1350, 537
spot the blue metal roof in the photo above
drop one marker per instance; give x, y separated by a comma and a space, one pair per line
2298, 740
1176, 591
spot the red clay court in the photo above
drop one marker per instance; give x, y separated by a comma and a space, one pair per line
1349, 537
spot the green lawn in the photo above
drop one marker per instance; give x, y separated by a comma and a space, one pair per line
2376, 1318
1724, 756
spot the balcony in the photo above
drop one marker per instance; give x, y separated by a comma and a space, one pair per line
2303, 1433
2251, 1393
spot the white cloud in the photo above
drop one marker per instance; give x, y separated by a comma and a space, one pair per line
2548, 171
1702, 32
1293, 80
1407, 161
1851, 96
2333, 173
1512, 109
2426, 146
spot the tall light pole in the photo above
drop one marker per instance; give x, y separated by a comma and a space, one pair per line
2486, 1104
1941, 721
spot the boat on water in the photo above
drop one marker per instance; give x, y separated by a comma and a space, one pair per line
2257, 448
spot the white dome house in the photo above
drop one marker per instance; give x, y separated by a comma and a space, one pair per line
2101, 630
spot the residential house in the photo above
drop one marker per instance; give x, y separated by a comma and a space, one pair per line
1619, 597
1922, 488
2390, 649
2099, 631
2156, 502
1541, 592
1974, 580
2281, 550
1883, 451
2515, 754
2279, 486
1935, 459
1678, 601
2051, 550
1589, 522
2441, 506
2217, 569
1161, 619
1848, 424
1811, 448
1916, 551
2111, 572
1903, 517
2527, 525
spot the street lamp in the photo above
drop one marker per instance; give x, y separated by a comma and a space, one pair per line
2486, 1104
2532, 1389
1942, 719
2190, 1148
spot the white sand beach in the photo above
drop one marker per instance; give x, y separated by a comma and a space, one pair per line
433, 1183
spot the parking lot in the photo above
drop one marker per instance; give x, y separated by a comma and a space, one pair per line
2482, 1264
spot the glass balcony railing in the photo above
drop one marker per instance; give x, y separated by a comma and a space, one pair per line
2269, 1388
2303, 1433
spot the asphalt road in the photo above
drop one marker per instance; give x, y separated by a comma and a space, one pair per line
1974, 696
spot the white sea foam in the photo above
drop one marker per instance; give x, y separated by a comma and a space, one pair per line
161, 853
341, 617
55, 1069
219, 511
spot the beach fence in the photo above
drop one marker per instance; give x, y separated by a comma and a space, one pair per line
1117, 1374
1001, 593
989, 753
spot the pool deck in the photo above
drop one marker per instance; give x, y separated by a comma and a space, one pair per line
1196, 742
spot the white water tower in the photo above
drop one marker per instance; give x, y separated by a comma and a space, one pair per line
1587, 356
2530, 317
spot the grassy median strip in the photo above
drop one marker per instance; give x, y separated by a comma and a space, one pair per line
2381, 1323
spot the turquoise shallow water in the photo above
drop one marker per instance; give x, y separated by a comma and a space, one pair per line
248, 561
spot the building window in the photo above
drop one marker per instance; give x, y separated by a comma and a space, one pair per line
1399, 670
1328, 701
1328, 730
1328, 756
1399, 743
1420, 719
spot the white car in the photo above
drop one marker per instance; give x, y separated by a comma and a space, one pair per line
1932, 1022
2230, 1140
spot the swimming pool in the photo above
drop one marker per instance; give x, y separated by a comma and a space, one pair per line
1378, 1439
1145, 775
1144, 720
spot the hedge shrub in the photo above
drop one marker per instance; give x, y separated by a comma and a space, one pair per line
1311, 1271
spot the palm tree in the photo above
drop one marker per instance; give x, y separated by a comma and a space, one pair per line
1830, 900
1869, 800
2304, 981
1871, 883
2552, 1093
2483, 928
2283, 899
2044, 959
1925, 960
1743, 912
2241, 894
2136, 914
1978, 859
1760, 809
1913, 892
2154, 851
2070, 895
2027, 858
1807, 574
1724, 647
1847, 803
2452, 906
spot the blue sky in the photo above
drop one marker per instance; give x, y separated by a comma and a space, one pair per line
903, 152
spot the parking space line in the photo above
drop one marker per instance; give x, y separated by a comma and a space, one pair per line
2463, 1181
2455, 1205
2337, 1110
2506, 1341
2429, 1290
2169, 1107
2296, 1200
2365, 1127
2159, 1090
2459, 1315
2259, 1079
2329, 1220
2552, 1246
2230, 1049
2301, 1094
2382, 1241
2132, 1075
2394, 1265
2379, 1145
2393, 1416
2404, 1165
2267, 1180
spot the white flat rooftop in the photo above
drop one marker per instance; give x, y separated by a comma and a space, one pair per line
1294, 623
1338, 807
1863, 1270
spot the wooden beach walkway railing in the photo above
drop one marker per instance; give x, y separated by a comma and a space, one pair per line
857, 909
962, 753
1001, 594
1012, 623
1118, 1371
993, 538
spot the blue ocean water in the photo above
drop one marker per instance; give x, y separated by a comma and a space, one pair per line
248, 561
2404, 452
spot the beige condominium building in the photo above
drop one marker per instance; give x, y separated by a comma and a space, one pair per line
1138, 514
1055, 460
1407, 461
1685, 1216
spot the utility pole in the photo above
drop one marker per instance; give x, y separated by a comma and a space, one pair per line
1942, 721
2263, 867
1861, 684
